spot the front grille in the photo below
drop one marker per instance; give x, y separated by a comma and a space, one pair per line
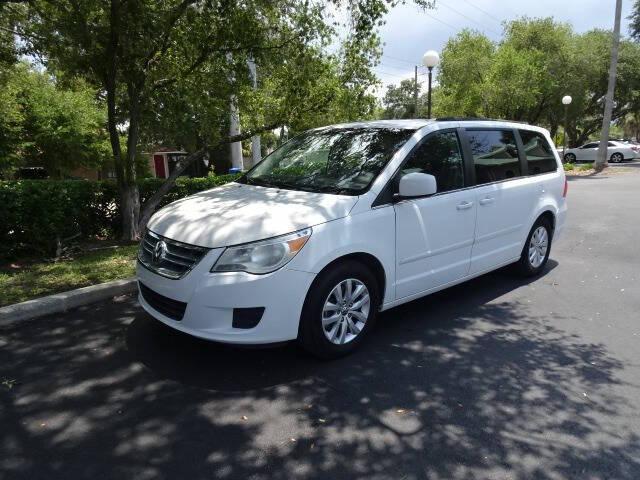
165, 305
172, 259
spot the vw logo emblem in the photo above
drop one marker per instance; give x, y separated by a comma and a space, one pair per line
159, 251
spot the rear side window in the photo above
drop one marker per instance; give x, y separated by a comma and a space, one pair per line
495, 155
439, 155
540, 158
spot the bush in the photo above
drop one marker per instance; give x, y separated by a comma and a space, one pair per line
568, 167
585, 166
34, 214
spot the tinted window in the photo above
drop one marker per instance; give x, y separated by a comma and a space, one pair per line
611, 144
332, 160
495, 155
540, 158
591, 145
439, 155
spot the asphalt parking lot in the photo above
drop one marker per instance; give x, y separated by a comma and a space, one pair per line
495, 378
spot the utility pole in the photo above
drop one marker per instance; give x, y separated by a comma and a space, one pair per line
601, 157
256, 155
234, 128
415, 92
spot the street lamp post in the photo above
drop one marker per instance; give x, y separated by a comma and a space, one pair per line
430, 60
566, 101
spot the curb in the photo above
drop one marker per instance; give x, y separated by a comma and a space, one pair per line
61, 302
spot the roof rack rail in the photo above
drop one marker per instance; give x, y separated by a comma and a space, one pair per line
475, 119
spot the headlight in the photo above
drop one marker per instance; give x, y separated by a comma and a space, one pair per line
264, 256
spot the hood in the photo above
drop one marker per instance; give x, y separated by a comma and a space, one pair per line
237, 213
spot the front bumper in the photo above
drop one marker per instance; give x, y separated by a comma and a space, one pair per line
212, 297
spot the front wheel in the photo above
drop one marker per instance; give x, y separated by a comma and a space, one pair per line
535, 252
570, 158
339, 311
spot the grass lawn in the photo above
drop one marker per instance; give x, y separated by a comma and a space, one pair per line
24, 281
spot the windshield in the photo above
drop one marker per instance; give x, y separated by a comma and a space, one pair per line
334, 160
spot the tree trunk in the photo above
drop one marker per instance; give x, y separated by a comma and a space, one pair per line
601, 157
130, 211
127, 188
129, 195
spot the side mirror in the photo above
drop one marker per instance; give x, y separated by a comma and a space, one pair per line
417, 185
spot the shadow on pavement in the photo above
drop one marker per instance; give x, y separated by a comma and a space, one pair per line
456, 385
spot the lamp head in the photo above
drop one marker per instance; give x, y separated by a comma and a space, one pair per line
430, 59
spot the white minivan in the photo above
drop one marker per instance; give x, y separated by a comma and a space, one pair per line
345, 221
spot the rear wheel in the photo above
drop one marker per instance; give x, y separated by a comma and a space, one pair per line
535, 252
617, 157
339, 311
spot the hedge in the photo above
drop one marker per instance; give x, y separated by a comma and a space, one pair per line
35, 213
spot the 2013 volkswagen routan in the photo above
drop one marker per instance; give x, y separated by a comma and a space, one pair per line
345, 221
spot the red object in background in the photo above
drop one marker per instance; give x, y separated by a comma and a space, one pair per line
158, 162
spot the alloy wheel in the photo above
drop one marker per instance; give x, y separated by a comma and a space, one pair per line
538, 246
346, 311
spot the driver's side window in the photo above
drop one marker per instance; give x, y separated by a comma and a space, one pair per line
439, 155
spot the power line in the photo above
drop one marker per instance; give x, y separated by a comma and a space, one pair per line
440, 21
469, 18
483, 11
399, 59
395, 67
392, 74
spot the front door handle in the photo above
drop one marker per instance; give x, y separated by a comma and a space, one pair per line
486, 201
464, 205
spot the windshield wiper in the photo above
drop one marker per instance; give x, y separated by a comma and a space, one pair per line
261, 183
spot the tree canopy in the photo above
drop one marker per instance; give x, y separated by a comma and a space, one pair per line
171, 68
43, 123
524, 76
634, 26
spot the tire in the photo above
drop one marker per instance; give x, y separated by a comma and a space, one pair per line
528, 266
570, 158
616, 157
350, 329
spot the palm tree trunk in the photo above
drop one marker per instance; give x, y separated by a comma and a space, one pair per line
601, 158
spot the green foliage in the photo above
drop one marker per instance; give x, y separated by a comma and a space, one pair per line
525, 75
568, 167
36, 213
634, 24
585, 166
399, 101
45, 124
464, 67
169, 69
31, 280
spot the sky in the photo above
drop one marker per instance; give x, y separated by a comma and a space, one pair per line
411, 31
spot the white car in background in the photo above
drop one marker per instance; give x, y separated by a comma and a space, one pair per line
616, 152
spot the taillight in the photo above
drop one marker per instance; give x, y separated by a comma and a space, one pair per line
566, 187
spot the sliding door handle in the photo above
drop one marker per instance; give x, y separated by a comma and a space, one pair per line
464, 205
486, 201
